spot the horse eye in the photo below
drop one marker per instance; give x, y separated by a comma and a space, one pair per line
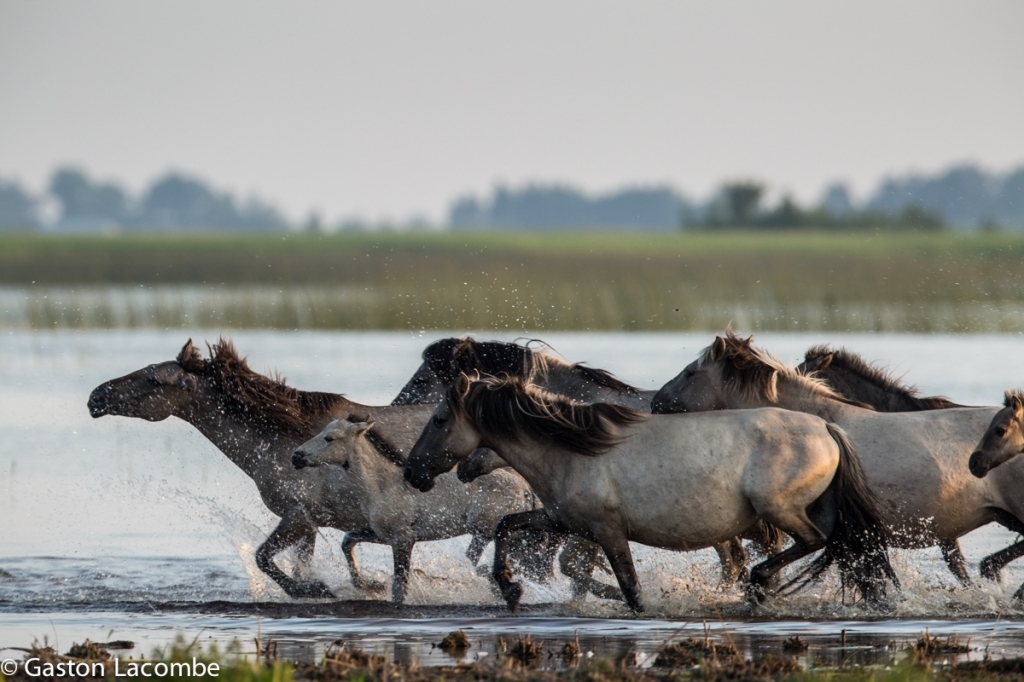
329, 439
1000, 431
345, 465
439, 422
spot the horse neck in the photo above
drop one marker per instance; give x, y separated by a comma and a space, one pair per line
256, 446
856, 387
563, 380
375, 474
532, 460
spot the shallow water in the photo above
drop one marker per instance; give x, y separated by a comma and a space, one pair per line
122, 529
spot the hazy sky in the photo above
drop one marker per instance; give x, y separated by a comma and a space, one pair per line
394, 108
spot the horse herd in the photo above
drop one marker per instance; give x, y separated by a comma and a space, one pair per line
506, 442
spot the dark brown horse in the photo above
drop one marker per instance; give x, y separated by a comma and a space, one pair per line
852, 377
849, 375
257, 422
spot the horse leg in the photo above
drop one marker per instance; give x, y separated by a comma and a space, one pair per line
808, 538
403, 560
616, 548
294, 526
955, 560
770, 540
763, 575
348, 548
536, 519
992, 565
534, 554
304, 553
578, 559
476, 547
733, 559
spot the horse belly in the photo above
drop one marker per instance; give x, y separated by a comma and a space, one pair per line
917, 468
690, 497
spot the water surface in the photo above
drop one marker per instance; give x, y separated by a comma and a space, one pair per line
123, 529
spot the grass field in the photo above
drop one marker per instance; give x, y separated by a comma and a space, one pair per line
568, 281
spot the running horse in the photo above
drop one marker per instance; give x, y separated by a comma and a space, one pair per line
852, 377
615, 475
446, 359
916, 462
256, 422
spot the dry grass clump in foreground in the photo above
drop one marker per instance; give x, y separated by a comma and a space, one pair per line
687, 660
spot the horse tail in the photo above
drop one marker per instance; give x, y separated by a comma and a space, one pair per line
858, 543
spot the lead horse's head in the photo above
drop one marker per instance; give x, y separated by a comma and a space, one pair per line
448, 438
1004, 438
153, 393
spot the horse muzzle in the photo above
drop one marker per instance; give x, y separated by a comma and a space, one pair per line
98, 404
299, 460
660, 405
421, 483
976, 466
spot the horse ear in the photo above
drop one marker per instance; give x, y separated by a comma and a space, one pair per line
190, 358
718, 348
1015, 400
364, 427
462, 385
823, 362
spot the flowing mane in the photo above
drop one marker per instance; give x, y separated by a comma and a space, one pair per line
854, 363
1014, 398
507, 407
253, 396
756, 373
448, 358
380, 443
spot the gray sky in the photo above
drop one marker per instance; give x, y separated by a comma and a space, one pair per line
393, 108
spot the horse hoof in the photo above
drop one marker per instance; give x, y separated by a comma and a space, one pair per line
512, 592
369, 585
311, 589
989, 570
602, 591
756, 594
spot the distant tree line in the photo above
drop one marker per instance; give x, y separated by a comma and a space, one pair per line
561, 207
963, 197
173, 202
740, 205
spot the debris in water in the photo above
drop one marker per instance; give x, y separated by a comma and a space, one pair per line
794, 644
931, 646
88, 650
691, 651
571, 651
525, 650
338, 655
455, 641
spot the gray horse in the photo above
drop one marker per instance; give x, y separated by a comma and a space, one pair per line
849, 375
916, 462
400, 516
615, 475
445, 360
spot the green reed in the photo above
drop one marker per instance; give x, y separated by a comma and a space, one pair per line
785, 282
